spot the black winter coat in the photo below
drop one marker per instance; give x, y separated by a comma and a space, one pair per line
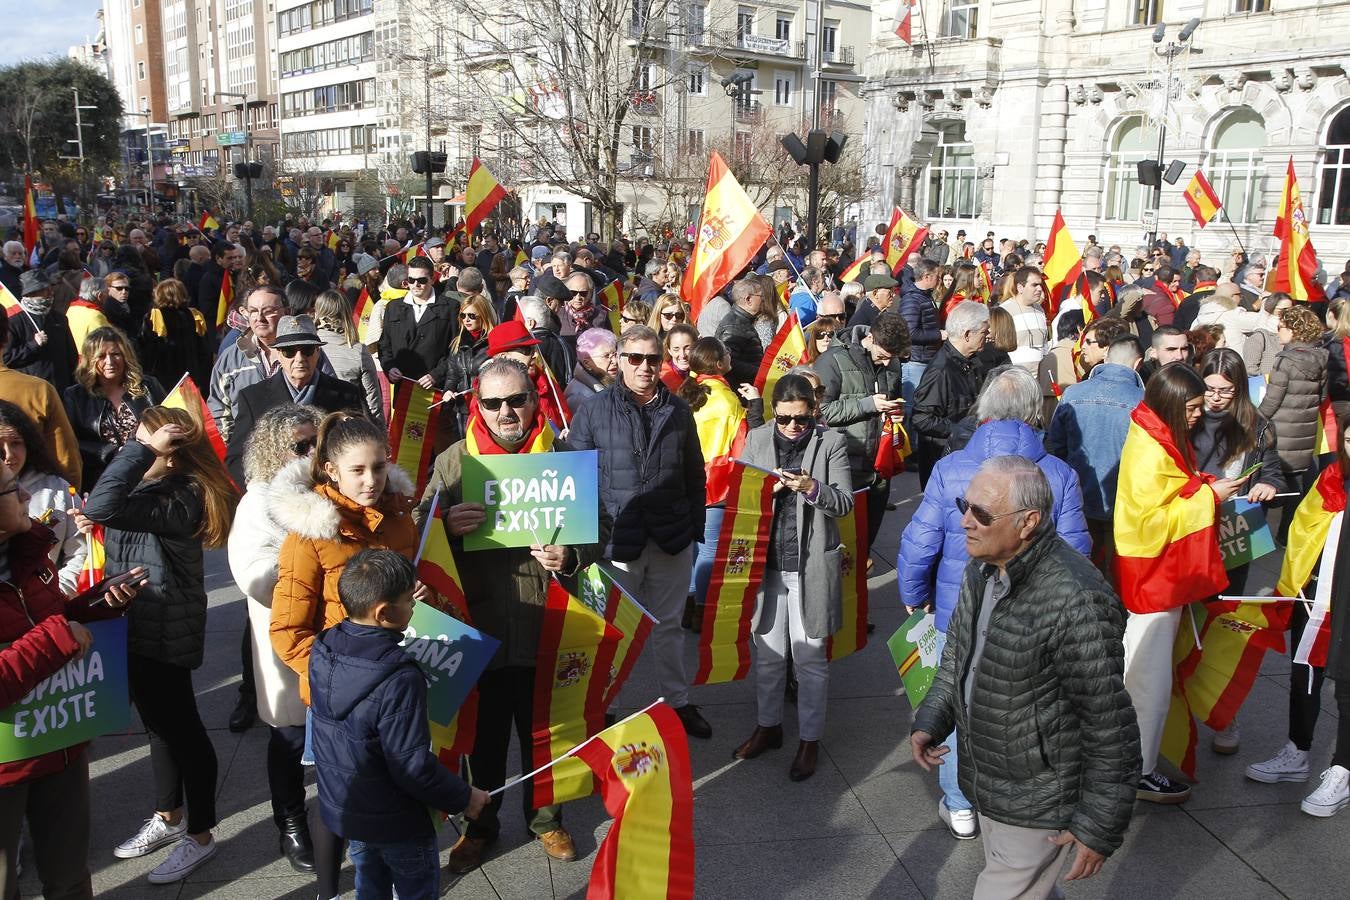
330, 395
1338, 375
945, 393
377, 774
153, 524
208, 291
416, 348
737, 332
1049, 740
86, 412
651, 469
55, 360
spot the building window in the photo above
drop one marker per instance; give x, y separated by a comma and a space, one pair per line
745, 98
961, 19
646, 77
953, 180
782, 28
140, 71
745, 22
829, 39
1124, 195
1146, 12
1235, 166
1333, 197
740, 147
782, 90
1250, 6
698, 81
140, 35
642, 139
694, 143
696, 22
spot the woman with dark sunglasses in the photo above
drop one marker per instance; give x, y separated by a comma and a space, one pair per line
800, 600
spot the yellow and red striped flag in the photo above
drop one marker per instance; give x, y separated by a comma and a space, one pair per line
187, 397
207, 221
94, 561
226, 300
1234, 637
730, 232
642, 765
412, 430
1063, 266
333, 239
32, 228
1295, 270
601, 591
903, 237
893, 448
785, 351
986, 281
1327, 428
436, 567
1202, 200
852, 634
613, 297
481, 196
1316, 526
738, 572
361, 314
576, 654
411, 252
1166, 522
722, 428
1179, 737
9, 302
522, 257
855, 268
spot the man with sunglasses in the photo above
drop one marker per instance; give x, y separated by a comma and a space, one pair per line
652, 483
417, 328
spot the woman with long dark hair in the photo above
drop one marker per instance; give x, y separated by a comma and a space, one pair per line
25, 453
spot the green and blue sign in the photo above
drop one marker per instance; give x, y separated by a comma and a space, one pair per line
451, 654
549, 498
1244, 533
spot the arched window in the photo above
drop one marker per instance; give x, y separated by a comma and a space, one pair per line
1235, 165
953, 180
1124, 195
1333, 197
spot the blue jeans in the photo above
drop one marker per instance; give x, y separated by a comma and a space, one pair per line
705, 551
947, 780
410, 867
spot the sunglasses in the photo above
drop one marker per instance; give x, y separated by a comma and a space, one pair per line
631, 321
982, 515
302, 448
637, 359
515, 401
289, 352
469, 316
802, 421
675, 316
419, 281
581, 293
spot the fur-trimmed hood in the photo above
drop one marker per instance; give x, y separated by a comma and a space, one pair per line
319, 512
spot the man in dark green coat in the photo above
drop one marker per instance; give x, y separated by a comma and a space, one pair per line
1032, 680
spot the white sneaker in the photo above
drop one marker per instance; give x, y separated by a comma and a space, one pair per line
1226, 742
960, 822
155, 833
1290, 764
1331, 794
187, 855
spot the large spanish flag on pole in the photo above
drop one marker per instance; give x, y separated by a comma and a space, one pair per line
32, 228
852, 635
481, 196
1296, 268
576, 653
642, 764
903, 237
730, 232
737, 573
1166, 522
412, 429
1202, 200
855, 268
785, 351
186, 396
1063, 267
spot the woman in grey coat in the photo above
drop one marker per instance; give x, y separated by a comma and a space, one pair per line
800, 603
350, 359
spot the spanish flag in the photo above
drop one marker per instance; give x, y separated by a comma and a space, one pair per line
94, 560
1217, 676
1315, 527
1063, 266
577, 648
411, 252
1296, 268
522, 257
730, 232
613, 297
893, 448
361, 314
226, 298
32, 228
903, 237
478, 439
785, 351
481, 196
186, 396
333, 239
1327, 428
436, 567
1179, 736
1166, 522
412, 429
855, 268
605, 596
852, 635
207, 222
738, 572
1202, 200
986, 281
642, 765
9, 302
721, 427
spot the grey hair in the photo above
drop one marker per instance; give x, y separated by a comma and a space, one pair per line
966, 316
851, 289
743, 288
1130, 296
1028, 488
532, 307
561, 254
91, 287
1011, 392
268, 448
1093, 252
499, 367
11, 245
470, 280
638, 333
653, 266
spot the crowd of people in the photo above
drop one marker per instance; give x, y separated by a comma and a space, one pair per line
1053, 438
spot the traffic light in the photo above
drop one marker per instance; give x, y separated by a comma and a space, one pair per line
424, 162
247, 170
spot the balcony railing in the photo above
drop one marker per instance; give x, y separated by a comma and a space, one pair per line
645, 103
748, 113
651, 30
753, 43
839, 56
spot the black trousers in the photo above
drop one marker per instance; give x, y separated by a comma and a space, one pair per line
285, 774
878, 495
1305, 685
506, 698
181, 755
246, 686
1342, 755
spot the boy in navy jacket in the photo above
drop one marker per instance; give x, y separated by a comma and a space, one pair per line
377, 775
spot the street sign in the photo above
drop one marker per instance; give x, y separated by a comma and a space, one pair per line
1149, 219
231, 138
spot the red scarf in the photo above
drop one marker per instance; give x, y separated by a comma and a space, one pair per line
480, 442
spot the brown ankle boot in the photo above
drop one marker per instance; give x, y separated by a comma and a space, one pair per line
761, 739
804, 763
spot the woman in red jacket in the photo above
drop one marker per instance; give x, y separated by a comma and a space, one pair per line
44, 633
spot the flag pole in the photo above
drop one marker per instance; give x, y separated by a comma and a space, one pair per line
426, 529
797, 273
1233, 227
573, 751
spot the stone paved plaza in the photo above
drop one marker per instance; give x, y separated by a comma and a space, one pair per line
865, 826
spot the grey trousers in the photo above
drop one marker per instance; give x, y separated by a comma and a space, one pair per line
660, 582
57, 809
1019, 863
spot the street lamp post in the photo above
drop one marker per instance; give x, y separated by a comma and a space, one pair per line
149, 158
248, 165
78, 140
1169, 54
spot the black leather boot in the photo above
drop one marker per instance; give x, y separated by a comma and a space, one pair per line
296, 845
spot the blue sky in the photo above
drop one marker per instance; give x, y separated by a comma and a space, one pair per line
35, 29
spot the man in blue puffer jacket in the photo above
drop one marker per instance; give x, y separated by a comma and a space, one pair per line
934, 543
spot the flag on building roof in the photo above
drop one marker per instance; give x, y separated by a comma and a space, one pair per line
730, 232
481, 196
1295, 270
904, 22
1202, 200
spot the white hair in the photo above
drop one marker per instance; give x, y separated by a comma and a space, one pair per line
1010, 393
851, 289
533, 309
11, 246
966, 316
1028, 488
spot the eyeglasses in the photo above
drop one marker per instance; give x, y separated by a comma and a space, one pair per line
302, 448
270, 313
982, 515
631, 321
802, 421
1219, 392
637, 359
412, 280
12, 489
307, 351
515, 401
674, 315
117, 287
